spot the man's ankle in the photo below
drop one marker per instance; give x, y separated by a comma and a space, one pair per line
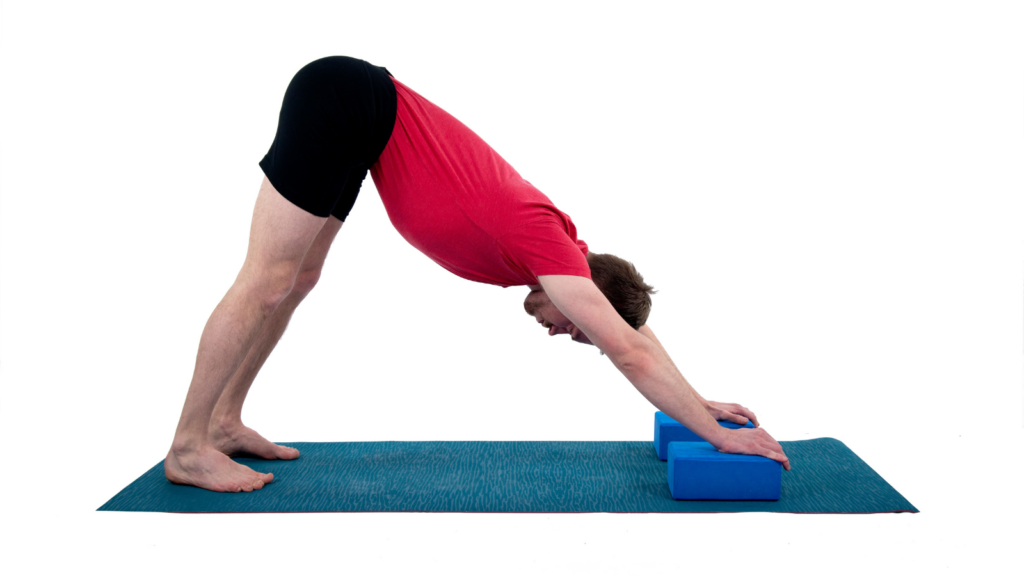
187, 445
221, 424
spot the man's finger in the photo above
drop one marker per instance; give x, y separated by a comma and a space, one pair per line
737, 419
778, 458
785, 463
777, 450
752, 416
747, 413
726, 416
771, 448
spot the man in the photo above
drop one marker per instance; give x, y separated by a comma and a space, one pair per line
457, 201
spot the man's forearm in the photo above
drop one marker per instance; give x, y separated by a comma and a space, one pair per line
646, 331
654, 375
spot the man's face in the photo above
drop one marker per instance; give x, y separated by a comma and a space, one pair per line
538, 305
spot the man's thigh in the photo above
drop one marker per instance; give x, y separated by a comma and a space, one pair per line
317, 253
280, 236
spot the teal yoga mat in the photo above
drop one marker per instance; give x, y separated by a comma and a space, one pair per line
827, 477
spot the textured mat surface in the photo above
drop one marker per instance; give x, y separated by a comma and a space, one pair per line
827, 477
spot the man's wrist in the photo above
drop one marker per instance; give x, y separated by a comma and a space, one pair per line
717, 439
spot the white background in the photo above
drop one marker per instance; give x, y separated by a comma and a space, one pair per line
828, 197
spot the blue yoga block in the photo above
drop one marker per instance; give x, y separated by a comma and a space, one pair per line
668, 430
697, 471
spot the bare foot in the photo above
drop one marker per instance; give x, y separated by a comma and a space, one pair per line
240, 440
209, 468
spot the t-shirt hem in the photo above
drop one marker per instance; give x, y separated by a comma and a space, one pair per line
562, 272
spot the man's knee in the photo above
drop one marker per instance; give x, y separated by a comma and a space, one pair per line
305, 281
269, 286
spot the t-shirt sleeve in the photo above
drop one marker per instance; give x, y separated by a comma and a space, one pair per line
543, 248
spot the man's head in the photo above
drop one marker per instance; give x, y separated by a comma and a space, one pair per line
620, 283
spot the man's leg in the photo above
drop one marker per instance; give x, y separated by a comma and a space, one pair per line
227, 433
280, 235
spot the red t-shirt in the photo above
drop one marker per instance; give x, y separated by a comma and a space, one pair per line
456, 200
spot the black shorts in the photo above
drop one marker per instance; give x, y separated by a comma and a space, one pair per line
336, 119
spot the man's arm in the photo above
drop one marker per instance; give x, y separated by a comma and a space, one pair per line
646, 331
648, 368
718, 410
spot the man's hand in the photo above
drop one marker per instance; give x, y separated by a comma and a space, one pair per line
730, 413
753, 441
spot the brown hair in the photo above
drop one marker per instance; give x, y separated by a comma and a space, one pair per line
623, 286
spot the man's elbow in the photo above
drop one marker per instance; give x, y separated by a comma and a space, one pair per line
630, 357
